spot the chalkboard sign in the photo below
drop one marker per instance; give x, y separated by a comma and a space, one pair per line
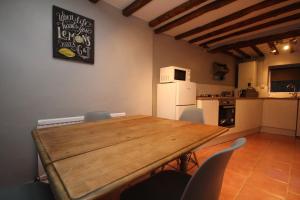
73, 36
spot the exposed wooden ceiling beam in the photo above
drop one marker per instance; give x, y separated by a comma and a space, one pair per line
229, 18
232, 54
273, 48
134, 6
242, 53
257, 51
175, 11
94, 1
196, 13
248, 30
260, 40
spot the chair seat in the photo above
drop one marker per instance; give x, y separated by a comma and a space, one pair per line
32, 191
166, 185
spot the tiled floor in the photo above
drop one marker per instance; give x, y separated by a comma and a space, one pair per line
266, 168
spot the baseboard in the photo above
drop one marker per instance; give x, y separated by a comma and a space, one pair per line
279, 131
229, 137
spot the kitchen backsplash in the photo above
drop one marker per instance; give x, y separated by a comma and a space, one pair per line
212, 89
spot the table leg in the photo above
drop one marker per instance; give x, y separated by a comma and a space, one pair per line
183, 162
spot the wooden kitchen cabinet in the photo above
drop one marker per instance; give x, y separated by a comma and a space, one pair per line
271, 115
248, 114
210, 110
247, 74
279, 115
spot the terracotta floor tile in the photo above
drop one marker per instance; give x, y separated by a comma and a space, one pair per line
232, 184
266, 168
228, 192
274, 169
268, 185
233, 178
278, 156
292, 196
241, 166
295, 167
251, 193
247, 152
297, 157
294, 184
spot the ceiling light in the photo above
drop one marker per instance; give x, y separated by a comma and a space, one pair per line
294, 40
286, 47
273, 51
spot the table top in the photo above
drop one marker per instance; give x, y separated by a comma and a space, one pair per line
87, 160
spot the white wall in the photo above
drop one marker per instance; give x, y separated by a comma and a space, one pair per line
262, 70
168, 51
33, 85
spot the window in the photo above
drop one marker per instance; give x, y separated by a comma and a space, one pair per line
283, 78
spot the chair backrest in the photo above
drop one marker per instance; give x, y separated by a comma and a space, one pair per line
194, 115
207, 181
95, 116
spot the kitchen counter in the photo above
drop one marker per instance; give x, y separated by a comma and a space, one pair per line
247, 98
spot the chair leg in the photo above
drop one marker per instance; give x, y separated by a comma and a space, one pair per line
184, 163
195, 159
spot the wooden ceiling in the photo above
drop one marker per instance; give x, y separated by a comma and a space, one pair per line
240, 28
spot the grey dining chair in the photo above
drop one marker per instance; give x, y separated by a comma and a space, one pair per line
30, 191
205, 184
194, 115
97, 115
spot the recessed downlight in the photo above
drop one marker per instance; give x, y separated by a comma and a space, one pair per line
286, 47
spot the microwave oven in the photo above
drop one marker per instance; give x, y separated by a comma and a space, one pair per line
173, 74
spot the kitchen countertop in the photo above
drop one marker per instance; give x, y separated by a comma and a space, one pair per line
246, 98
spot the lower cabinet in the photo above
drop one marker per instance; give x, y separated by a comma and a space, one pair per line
279, 116
210, 110
248, 114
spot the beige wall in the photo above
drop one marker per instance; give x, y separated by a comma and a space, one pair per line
270, 60
167, 51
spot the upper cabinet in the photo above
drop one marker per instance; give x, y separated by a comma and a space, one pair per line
247, 74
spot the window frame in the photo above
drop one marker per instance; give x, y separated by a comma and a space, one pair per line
296, 65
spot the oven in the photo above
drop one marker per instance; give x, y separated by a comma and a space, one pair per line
227, 112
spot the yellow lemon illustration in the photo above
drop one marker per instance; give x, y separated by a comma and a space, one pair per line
78, 39
66, 52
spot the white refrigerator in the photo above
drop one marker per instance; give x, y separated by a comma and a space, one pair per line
173, 98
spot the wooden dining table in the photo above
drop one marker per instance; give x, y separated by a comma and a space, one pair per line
89, 160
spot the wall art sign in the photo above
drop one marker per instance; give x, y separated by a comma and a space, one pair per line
73, 36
